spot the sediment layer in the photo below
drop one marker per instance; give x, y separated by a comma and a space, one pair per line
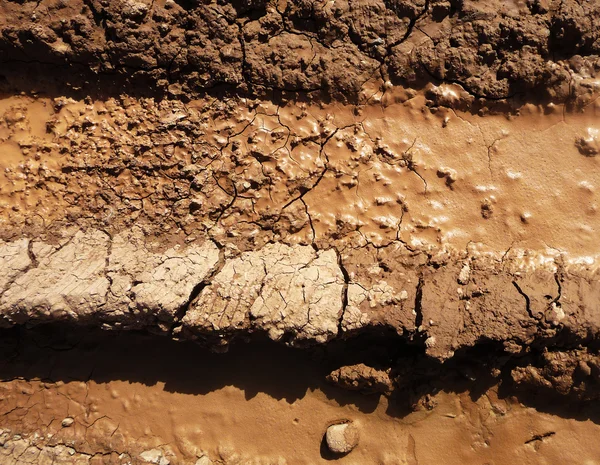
534, 49
88, 397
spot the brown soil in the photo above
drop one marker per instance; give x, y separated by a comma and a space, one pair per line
259, 404
384, 212
251, 172
534, 49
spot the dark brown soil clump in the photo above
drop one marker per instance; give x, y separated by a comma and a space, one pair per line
542, 50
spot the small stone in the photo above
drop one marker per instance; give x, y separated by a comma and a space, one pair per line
342, 437
133, 9
589, 145
204, 460
465, 274
487, 209
67, 422
525, 217
154, 456
555, 314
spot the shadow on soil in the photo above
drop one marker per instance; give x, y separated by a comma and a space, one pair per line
60, 353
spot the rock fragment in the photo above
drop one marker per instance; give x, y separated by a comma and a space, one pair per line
15, 260
342, 438
465, 274
93, 277
154, 456
589, 145
68, 283
361, 377
153, 283
278, 289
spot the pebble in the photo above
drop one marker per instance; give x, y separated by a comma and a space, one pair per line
204, 460
154, 456
67, 422
342, 437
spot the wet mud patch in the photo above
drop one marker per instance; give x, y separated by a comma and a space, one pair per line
98, 392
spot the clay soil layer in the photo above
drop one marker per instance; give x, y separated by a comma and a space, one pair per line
228, 226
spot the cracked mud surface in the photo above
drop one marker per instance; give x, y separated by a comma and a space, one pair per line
226, 227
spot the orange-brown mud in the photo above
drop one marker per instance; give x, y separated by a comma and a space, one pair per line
108, 399
389, 170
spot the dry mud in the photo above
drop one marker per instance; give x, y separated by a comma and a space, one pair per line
227, 226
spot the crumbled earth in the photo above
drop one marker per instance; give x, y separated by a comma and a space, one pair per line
361, 377
384, 211
496, 50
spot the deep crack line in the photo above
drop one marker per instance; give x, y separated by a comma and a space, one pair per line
198, 288
346, 276
419, 304
527, 300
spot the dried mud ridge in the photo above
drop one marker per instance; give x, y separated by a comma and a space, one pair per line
533, 50
450, 310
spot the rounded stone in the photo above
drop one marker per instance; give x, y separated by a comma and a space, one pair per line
342, 437
67, 422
